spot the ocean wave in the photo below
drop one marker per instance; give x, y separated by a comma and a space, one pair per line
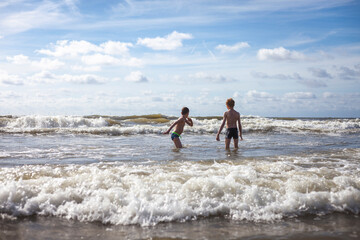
147, 194
43, 122
157, 123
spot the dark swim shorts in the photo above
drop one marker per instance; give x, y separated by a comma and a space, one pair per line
174, 135
231, 133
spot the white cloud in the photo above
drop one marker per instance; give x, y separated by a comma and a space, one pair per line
86, 68
169, 42
9, 79
294, 76
18, 59
236, 94
147, 93
43, 63
158, 99
252, 7
101, 59
70, 48
256, 94
46, 63
301, 38
300, 95
232, 48
166, 98
320, 73
115, 48
279, 54
46, 14
136, 76
75, 48
42, 77
72, 5
83, 79
129, 100
131, 62
312, 83
216, 78
48, 77
10, 94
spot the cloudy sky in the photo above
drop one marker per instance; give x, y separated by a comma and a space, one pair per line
274, 57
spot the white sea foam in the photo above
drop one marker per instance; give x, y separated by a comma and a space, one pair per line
114, 126
262, 190
38, 122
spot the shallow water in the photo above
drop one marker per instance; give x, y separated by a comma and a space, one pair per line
334, 227
19, 149
124, 172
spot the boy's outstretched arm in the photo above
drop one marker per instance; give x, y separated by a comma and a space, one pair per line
221, 128
240, 128
189, 122
172, 125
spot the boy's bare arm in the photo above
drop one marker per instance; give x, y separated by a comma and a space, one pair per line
221, 127
240, 128
189, 121
172, 125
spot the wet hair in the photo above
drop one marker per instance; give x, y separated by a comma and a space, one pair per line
230, 102
184, 110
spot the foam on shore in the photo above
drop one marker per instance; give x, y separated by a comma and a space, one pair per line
147, 194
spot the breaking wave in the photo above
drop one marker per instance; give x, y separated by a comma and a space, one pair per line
146, 194
157, 123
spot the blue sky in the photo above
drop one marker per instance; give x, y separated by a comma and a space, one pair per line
274, 57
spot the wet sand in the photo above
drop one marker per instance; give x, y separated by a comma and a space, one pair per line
335, 226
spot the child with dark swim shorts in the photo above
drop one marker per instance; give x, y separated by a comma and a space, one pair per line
231, 117
180, 123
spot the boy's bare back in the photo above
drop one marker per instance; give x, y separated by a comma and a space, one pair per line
231, 117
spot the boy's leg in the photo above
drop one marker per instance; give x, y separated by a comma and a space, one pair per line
177, 142
227, 143
236, 141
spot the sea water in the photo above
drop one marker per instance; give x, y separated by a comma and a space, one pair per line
123, 171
